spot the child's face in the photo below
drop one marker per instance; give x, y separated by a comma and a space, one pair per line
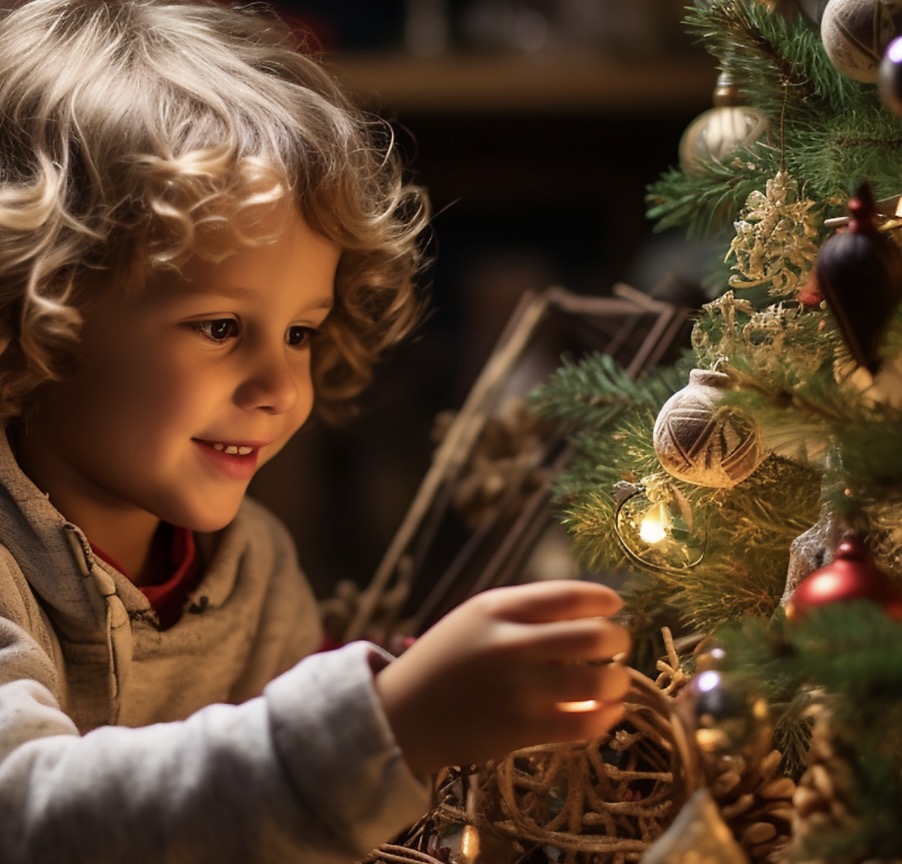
186, 389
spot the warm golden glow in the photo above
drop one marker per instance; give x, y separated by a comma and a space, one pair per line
578, 707
656, 524
469, 844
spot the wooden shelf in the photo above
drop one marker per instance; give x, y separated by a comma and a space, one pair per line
519, 85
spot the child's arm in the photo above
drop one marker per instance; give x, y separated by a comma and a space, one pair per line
310, 770
496, 674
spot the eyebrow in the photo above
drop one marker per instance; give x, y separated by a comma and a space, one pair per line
238, 290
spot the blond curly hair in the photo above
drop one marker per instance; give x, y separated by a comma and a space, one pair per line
133, 133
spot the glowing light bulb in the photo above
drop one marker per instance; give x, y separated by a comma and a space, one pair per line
469, 844
656, 524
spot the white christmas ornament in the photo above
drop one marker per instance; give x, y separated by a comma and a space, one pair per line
702, 441
856, 34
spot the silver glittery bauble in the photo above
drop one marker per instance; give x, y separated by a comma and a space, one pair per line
891, 76
856, 34
702, 441
724, 717
812, 549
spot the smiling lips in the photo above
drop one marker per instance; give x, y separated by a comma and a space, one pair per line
238, 461
233, 449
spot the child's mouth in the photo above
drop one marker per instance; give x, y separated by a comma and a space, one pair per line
232, 449
238, 461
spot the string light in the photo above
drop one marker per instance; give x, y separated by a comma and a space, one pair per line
657, 524
654, 525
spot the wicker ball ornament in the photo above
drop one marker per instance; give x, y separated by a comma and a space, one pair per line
702, 441
856, 34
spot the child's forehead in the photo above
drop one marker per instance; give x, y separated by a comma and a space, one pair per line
295, 260
240, 239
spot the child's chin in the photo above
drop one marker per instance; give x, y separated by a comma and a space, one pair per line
210, 523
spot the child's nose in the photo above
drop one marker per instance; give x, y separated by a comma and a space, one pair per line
272, 380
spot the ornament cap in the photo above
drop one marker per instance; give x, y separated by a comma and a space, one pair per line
852, 548
726, 91
709, 378
862, 211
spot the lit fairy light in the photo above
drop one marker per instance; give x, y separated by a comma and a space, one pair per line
656, 524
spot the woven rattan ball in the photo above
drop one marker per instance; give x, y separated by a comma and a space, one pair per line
702, 441
856, 34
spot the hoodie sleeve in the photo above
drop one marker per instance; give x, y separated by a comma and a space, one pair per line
307, 772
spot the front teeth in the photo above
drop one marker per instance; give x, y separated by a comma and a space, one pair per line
232, 450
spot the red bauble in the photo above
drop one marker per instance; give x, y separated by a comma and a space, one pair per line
851, 576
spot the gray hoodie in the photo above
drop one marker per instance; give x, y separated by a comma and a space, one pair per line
208, 741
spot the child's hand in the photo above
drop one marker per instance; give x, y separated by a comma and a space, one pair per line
497, 672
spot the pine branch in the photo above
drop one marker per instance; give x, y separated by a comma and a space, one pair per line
849, 654
828, 131
746, 37
592, 393
708, 202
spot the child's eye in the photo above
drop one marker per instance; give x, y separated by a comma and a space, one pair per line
299, 336
218, 329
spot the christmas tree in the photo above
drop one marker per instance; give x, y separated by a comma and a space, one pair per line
751, 492
760, 504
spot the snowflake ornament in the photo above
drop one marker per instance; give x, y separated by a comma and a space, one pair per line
776, 239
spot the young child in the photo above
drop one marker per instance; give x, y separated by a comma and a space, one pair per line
198, 233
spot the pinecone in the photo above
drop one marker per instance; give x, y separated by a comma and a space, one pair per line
821, 800
755, 800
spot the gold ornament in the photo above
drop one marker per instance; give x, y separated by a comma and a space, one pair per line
701, 441
775, 241
717, 133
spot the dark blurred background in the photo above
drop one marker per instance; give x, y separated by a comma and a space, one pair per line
536, 126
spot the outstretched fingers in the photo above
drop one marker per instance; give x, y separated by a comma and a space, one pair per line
584, 639
554, 600
582, 682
